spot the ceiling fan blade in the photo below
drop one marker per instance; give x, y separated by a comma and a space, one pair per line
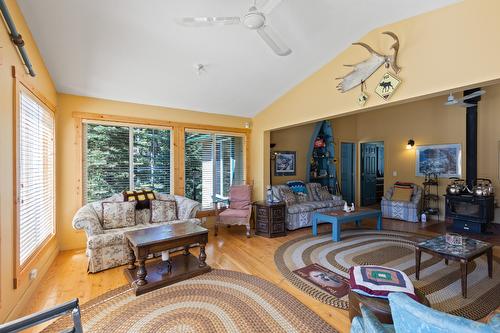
466, 104
270, 5
472, 95
274, 41
209, 21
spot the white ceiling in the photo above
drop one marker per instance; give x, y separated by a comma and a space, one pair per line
135, 51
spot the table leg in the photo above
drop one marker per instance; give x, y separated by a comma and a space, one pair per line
418, 256
186, 250
141, 273
379, 222
336, 231
489, 254
131, 257
463, 273
358, 223
203, 256
315, 225
446, 262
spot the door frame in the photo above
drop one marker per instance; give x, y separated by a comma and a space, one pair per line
361, 143
354, 167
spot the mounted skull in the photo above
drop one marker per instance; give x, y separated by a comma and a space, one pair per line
363, 70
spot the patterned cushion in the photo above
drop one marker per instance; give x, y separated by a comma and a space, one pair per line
312, 191
142, 197
301, 197
324, 194
288, 196
297, 186
402, 193
163, 211
118, 214
379, 281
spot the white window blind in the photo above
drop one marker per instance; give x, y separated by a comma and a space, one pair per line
120, 157
213, 162
36, 183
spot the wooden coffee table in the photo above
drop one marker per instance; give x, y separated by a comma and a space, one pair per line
462, 253
157, 273
338, 217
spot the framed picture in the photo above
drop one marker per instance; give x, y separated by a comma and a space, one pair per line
285, 163
444, 160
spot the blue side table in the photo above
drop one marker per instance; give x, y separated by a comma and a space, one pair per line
336, 218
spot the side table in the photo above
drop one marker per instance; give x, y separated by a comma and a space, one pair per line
270, 219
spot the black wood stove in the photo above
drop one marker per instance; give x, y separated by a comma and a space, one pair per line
467, 211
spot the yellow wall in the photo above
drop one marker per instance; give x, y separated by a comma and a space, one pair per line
427, 122
433, 58
13, 300
296, 139
68, 152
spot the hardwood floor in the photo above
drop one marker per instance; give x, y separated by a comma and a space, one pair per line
67, 278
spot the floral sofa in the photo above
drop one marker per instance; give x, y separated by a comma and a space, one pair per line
299, 215
107, 248
402, 210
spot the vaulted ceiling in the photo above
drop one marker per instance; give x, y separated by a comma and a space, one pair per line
135, 51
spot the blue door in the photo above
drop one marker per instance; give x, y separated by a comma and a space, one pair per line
369, 168
347, 161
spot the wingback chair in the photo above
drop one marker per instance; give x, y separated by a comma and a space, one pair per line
410, 316
402, 210
239, 208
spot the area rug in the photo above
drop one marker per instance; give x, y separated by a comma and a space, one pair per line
440, 283
219, 301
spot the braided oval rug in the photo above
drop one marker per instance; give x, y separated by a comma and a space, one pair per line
440, 283
219, 301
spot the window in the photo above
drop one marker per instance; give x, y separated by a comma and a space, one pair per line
35, 176
120, 157
213, 162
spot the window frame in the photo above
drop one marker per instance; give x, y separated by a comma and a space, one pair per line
214, 132
131, 151
21, 271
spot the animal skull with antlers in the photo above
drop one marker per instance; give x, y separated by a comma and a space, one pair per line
363, 70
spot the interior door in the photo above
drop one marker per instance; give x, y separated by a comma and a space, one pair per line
368, 174
347, 160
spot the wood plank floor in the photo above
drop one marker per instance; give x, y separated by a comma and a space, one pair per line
67, 278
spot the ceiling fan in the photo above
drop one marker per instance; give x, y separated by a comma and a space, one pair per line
461, 101
254, 19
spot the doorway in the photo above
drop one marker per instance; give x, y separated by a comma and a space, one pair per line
372, 173
347, 173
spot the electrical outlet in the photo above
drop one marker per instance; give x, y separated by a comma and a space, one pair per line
33, 273
394, 173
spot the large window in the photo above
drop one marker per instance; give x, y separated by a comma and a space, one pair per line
35, 176
119, 157
213, 162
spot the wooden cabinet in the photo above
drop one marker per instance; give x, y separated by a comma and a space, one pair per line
270, 219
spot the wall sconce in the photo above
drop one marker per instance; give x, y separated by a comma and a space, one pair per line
410, 144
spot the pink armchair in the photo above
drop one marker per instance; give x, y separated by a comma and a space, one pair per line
239, 210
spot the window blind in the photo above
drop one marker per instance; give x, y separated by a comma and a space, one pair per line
36, 182
213, 162
119, 157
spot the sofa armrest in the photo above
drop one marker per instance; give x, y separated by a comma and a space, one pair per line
186, 208
103, 240
86, 218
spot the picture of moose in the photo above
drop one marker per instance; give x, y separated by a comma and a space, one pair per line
386, 86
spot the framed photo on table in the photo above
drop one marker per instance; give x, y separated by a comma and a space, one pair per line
444, 160
285, 163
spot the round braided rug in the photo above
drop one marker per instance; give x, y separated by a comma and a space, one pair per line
219, 301
440, 283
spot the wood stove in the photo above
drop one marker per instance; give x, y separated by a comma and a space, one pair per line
469, 212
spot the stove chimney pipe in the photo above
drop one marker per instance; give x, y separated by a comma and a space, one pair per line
471, 138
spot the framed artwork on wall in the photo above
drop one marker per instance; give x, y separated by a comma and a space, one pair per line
444, 160
285, 163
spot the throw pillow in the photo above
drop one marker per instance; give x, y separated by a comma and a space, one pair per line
301, 197
143, 198
324, 194
379, 281
118, 214
163, 211
297, 186
288, 196
402, 193
313, 191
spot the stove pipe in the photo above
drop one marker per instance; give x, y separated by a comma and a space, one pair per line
471, 138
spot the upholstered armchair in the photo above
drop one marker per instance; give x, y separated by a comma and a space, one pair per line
410, 316
238, 208
403, 210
